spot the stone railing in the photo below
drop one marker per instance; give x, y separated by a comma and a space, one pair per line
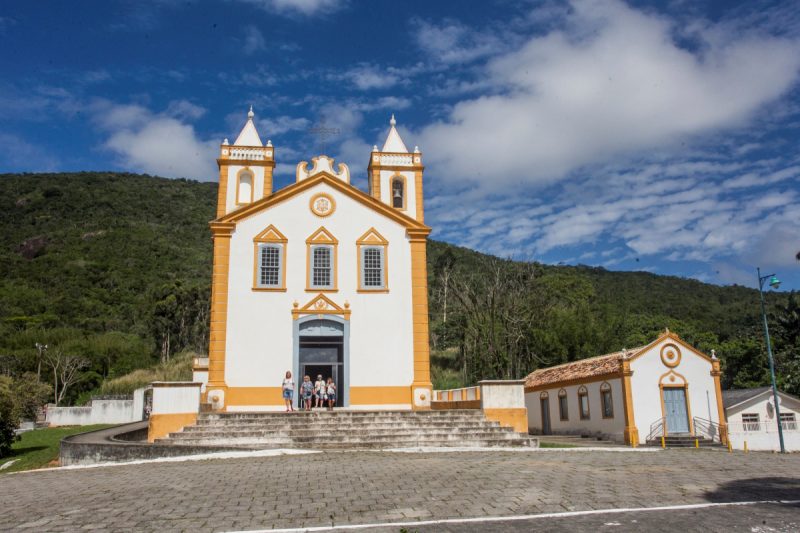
402, 160
248, 154
455, 395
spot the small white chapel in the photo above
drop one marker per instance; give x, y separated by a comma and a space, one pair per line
318, 278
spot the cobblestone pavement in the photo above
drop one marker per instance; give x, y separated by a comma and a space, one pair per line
378, 487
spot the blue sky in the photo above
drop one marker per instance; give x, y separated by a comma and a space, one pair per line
657, 136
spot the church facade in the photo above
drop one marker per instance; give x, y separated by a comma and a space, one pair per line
318, 278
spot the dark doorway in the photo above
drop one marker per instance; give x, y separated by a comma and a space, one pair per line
323, 356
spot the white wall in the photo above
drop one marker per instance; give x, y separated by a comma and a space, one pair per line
648, 370
175, 397
258, 185
259, 341
99, 412
596, 424
766, 438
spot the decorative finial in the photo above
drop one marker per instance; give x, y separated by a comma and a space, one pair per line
269, 142
225, 142
416, 149
346, 304
250, 113
374, 147
714, 355
392, 121
666, 330
295, 304
624, 353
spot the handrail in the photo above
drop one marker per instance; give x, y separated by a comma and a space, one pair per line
707, 428
657, 429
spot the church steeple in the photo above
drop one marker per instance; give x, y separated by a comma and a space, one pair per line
245, 169
395, 175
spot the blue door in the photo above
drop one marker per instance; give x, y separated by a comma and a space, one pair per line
675, 410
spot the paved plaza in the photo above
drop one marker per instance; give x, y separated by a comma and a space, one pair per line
381, 487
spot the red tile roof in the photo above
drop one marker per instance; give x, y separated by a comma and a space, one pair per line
583, 368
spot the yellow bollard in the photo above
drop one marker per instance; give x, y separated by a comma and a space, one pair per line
745, 446
696, 443
663, 444
730, 448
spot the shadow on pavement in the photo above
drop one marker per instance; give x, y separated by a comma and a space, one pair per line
756, 489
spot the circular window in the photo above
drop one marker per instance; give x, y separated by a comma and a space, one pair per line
322, 204
670, 355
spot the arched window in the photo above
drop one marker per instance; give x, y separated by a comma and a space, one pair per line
244, 187
544, 395
606, 400
398, 192
583, 403
563, 408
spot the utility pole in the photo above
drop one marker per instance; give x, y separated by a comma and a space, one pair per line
41, 348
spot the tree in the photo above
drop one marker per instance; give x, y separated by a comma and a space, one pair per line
787, 344
66, 371
30, 395
8, 420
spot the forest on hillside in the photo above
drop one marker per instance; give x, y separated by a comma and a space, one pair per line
111, 272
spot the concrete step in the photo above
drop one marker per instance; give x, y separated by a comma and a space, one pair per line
396, 442
344, 426
355, 435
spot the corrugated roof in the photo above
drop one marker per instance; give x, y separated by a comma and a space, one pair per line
581, 369
736, 396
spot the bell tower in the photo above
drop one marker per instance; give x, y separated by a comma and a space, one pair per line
245, 169
395, 175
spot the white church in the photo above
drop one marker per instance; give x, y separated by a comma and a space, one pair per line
318, 278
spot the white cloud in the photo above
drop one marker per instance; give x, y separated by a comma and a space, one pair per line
253, 40
282, 124
156, 143
20, 153
611, 82
366, 77
452, 42
299, 7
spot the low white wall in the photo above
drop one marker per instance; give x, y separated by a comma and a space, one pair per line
99, 412
764, 440
502, 394
175, 397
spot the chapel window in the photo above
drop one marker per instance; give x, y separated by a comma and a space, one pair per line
322, 267
398, 193
563, 407
244, 188
583, 403
372, 267
788, 421
270, 265
751, 422
606, 401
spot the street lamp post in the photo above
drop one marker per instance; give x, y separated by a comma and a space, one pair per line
41, 348
774, 283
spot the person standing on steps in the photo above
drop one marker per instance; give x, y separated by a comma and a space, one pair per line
319, 391
306, 391
288, 390
330, 392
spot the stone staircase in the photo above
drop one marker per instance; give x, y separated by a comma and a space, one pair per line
338, 430
685, 441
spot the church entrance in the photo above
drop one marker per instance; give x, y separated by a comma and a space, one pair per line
321, 352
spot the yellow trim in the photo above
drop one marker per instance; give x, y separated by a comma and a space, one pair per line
610, 390
398, 177
160, 426
267, 181
716, 372
321, 305
515, 418
323, 237
222, 192
326, 196
414, 228
270, 235
669, 335
419, 196
379, 395
221, 232
664, 353
239, 183
372, 238
631, 432
419, 310
235, 396
583, 391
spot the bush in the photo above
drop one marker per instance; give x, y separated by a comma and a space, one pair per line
8, 419
179, 368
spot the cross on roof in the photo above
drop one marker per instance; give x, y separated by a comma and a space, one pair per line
323, 133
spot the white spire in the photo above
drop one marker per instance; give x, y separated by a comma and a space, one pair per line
393, 141
248, 136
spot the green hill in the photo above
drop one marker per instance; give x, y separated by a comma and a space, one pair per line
116, 267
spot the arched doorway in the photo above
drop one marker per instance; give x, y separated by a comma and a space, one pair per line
321, 348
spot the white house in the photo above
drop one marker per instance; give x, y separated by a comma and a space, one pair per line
751, 419
318, 278
665, 388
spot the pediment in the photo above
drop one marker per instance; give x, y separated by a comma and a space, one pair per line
322, 236
270, 234
321, 305
372, 237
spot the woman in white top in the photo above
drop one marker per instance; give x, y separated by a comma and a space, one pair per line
319, 391
288, 390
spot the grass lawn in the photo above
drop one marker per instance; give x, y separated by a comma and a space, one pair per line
39, 448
